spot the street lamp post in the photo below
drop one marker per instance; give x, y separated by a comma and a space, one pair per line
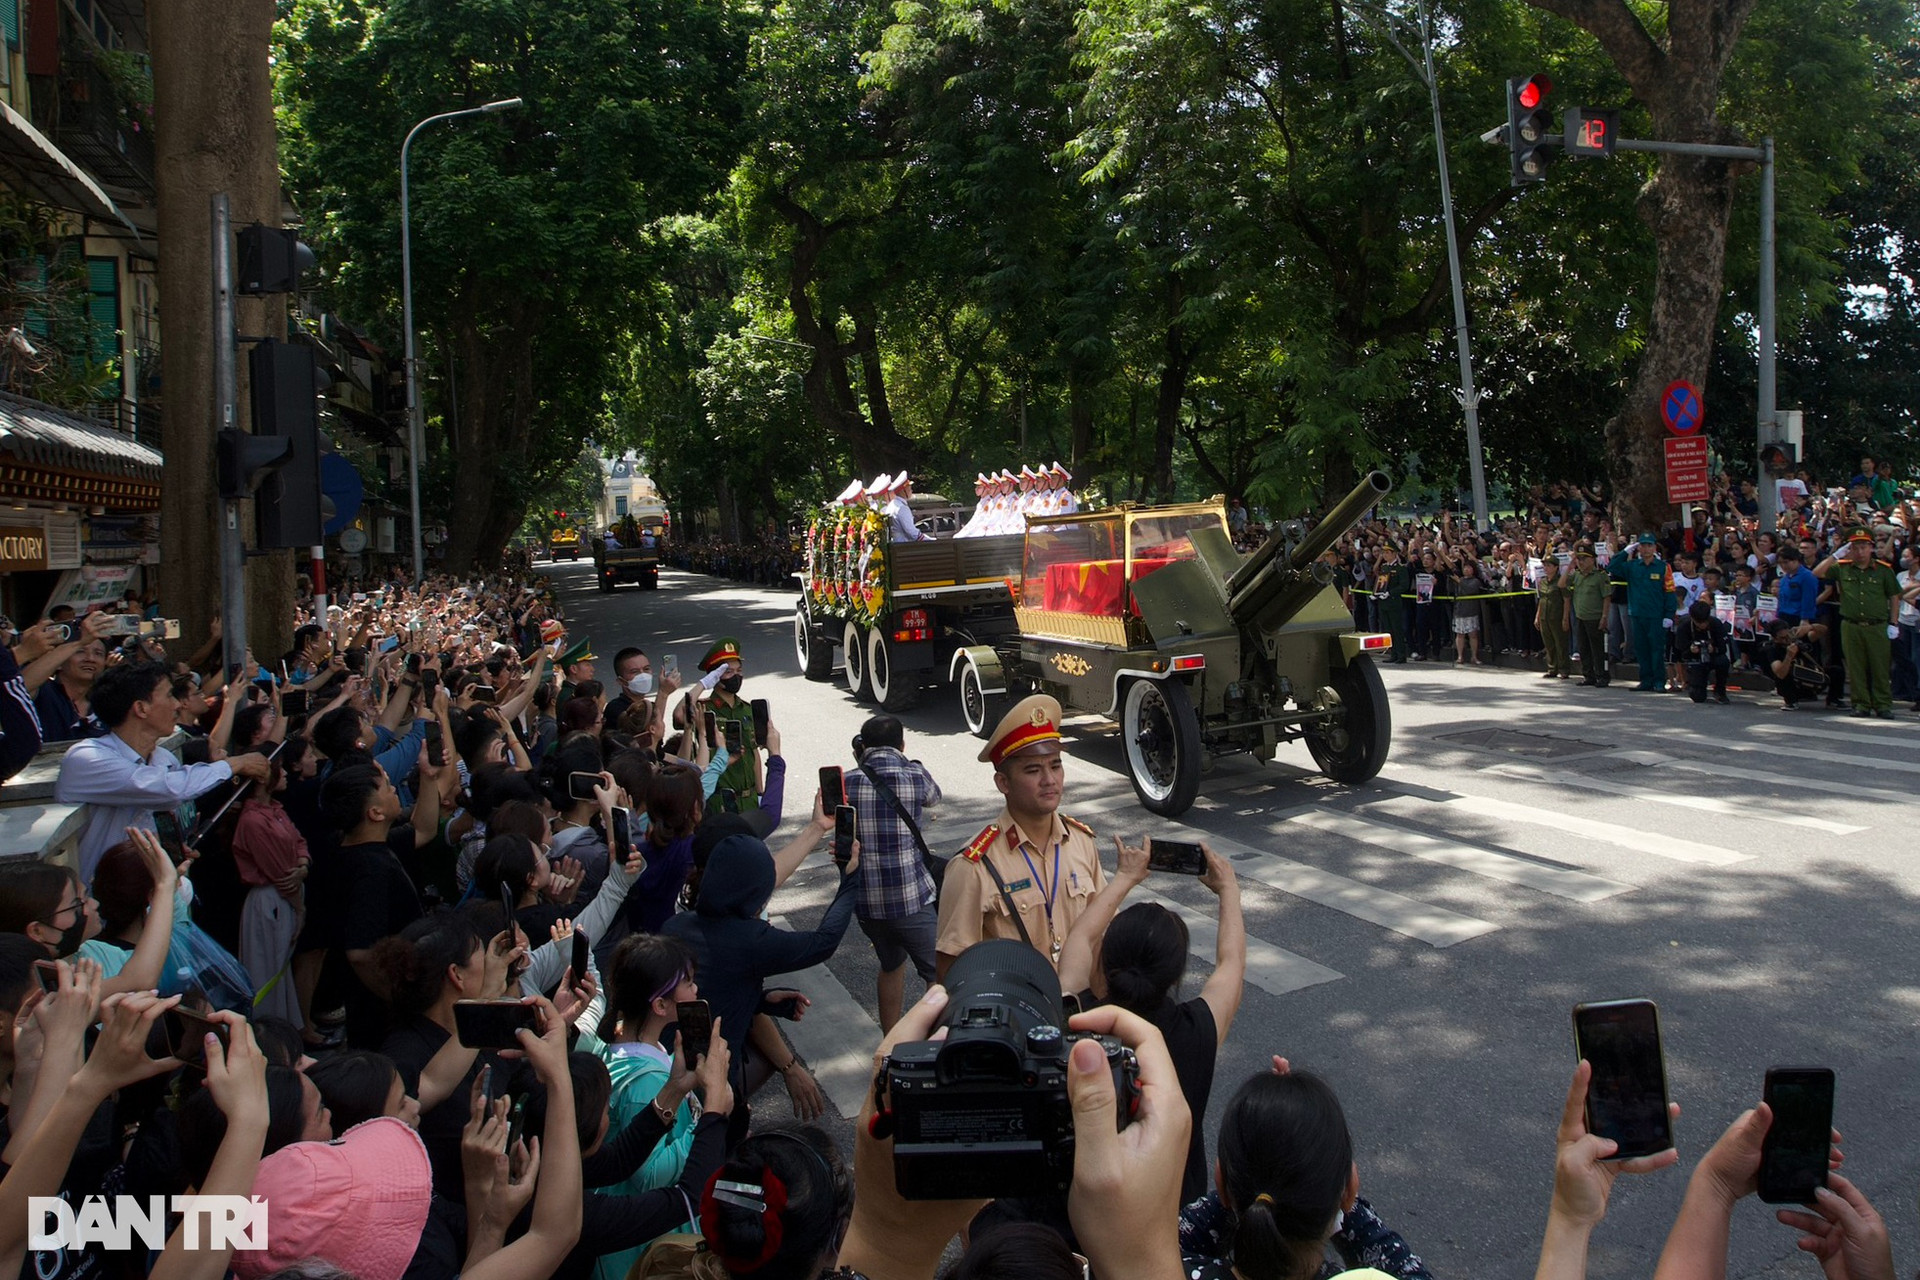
416, 429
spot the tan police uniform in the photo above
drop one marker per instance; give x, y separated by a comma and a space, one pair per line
1049, 876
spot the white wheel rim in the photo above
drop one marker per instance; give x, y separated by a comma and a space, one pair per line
1137, 762
856, 660
877, 669
973, 699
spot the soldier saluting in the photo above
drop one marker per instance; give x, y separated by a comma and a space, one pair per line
1031, 872
1869, 601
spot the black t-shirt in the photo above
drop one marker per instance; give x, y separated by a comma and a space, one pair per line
412, 1046
91, 1172
372, 898
1193, 1042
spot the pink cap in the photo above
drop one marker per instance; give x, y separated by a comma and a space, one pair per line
359, 1202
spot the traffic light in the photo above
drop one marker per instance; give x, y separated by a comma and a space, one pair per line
286, 384
1530, 130
242, 460
271, 259
1589, 132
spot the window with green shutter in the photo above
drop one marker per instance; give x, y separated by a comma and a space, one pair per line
10, 22
103, 307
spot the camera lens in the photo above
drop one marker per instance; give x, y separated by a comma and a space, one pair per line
999, 993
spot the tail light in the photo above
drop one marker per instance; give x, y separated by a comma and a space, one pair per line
912, 625
1377, 640
1191, 662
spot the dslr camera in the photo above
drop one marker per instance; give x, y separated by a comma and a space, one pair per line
985, 1113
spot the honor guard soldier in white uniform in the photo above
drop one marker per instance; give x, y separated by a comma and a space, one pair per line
1064, 503
850, 494
972, 527
1031, 872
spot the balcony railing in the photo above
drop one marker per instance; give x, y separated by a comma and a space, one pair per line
101, 131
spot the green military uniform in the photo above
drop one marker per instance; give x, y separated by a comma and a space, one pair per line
1553, 597
1592, 588
582, 651
1869, 602
1394, 582
726, 706
1650, 603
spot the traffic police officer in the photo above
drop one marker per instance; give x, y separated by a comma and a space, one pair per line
1869, 620
1649, 611
1031, 872
726, 704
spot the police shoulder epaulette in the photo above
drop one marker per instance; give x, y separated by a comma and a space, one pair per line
1077, 825
977, 847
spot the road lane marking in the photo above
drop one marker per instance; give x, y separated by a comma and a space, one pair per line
1679, 799
1827, 787
1561, 882
1274, 970
837, 1036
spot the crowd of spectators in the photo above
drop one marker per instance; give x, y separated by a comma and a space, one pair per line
1548, 585
769, 560
439, 796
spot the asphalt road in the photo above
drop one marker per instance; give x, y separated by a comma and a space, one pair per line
1420, 941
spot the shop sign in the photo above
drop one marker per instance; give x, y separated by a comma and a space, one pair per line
22, 547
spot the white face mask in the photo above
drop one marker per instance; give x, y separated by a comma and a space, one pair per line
641, 685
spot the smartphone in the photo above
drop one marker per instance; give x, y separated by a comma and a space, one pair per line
833, 787
413, 664
844, 821
517, 1125
711, 725
483, 693
582, 949
186, 1034
506, 904
696, 1030
490, 1024
759, 706
669, 666
1793, 1155
580, 786
296, 702
1627, 1096
736, 741
436, 748
48, 974
621, 836
1181, 857
787, 1009
64, 632
429, 680
729, 800
166, 825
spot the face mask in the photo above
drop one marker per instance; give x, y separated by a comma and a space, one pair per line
641, 685
731, 684
71, 937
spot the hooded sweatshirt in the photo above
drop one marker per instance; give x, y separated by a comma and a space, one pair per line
737, 950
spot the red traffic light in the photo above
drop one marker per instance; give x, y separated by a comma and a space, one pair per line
1534, 91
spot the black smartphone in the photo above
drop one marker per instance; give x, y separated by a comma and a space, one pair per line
166, 825
787, 1009
1182, 857
517, 1124
413, 664
436, 747
712, 731
759, 706
833, 787
429, 681
735, 740
186, 1034
621, 836
485, 694
696, 1030
582, 947
64, 632
490, 1024
506, 905
1627, 1096
581, 786
1793, 1155
729, 800
48, 974
844, 821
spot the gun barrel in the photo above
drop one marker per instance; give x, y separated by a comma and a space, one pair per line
1265, 577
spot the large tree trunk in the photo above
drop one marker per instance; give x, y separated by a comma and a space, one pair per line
496, 428
213, 101
1688, 205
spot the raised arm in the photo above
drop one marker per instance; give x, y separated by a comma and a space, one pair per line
1076, 953
1223, 988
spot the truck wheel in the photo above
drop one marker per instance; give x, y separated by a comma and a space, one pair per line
853, 645
892, 694
815, 654
1162, 734
650, 583
1352, 750
981, 709
606, 583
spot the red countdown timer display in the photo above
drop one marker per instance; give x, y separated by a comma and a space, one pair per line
1590, 132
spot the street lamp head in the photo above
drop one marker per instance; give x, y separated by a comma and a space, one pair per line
505, 104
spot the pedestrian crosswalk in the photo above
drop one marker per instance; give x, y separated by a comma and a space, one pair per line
1424, 860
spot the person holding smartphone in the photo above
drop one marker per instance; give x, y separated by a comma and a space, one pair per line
743, 767
890, 795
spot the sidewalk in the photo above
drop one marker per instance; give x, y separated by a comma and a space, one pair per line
1621, 673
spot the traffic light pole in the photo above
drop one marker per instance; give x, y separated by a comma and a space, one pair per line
1767, 417
226, 399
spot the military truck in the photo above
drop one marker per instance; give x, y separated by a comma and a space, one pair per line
637, 560
898, 611
1149, 616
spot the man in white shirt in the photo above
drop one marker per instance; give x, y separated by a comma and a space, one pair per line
125, 775
900, 511
977, 521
